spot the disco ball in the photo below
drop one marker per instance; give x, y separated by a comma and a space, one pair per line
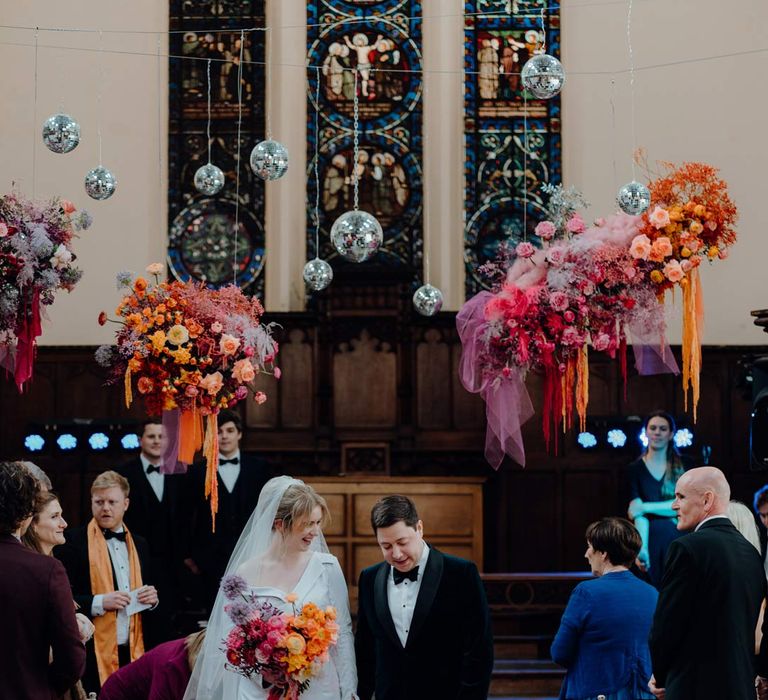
61, 133
209, 179
100, 183
427, 300
634, 198
543, 75
357, 235
269, 160
318, 274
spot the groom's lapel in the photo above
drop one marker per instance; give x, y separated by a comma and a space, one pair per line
381, 603
433, 573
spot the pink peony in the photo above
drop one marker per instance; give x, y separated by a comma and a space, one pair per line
525, 250
571, 336
601, 342
569, 316
556, 256
558, 301
661, 248
659, 218
673, 271
640, 248
545, 230
575, 224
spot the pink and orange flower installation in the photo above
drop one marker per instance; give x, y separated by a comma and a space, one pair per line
189, 350
286, 650
36, 261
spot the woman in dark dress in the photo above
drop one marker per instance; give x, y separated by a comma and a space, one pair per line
652, 478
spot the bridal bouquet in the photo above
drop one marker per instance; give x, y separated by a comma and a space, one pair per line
286, 650
189, 351
36, 261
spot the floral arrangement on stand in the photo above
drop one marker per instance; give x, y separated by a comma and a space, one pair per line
588, 286
190, 351
286, 650
36, 261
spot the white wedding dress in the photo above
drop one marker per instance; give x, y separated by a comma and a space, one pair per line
322, 583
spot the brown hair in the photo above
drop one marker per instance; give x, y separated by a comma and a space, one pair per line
675, 466
193, 643
298, 501
392, 509
30, 538
106, 480
17, 496
617, 537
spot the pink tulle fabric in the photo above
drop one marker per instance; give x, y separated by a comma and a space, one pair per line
507, 403
171, 463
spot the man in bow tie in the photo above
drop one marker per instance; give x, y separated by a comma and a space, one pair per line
108, 565
423, 627
241, 477
157, 513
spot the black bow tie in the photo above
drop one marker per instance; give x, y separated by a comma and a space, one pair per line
109, 534
152, 468
234, 460
400, 576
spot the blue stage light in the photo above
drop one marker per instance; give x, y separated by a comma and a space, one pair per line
617, 438
683, 438
66, 441
587, 440
643, 438
98, 441
34, 442
130, 441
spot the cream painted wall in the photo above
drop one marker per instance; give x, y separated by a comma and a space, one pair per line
712, 111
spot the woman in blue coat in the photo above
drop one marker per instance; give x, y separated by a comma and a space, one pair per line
603, 635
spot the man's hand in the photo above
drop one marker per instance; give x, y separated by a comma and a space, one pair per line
761, 685
191, 564
116, 600
658, 693
643, 560
85, 626
147, 595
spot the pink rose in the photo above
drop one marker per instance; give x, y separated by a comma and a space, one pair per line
212, 383
640, 247
558, 301
722, 253
659, 218
711, 225
216, 327
241, 392
228, 344
575, 224
3, 230
555, 256
569, 316
686, 265
661, 248
545, 230
630, 272
260, 397
586, 287
525, 250
571, 336
191, 391
506, 372
274, 637
243, 371
249, 351
277, 372
673, 272
601, 342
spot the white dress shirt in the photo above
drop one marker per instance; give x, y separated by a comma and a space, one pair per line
156, 479
711, 517
118, 553
229, 472
402, 598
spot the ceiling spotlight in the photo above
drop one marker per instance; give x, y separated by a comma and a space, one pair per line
66, 441
586, 440
98, 441
643, 438
683, 438
34, 442
130, 441
617, 438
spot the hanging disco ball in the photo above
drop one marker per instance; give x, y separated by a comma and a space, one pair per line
100, 183
318, 274
543, 75
357, 235
269, 160
61, 133
427, 300
209, 179
634, 198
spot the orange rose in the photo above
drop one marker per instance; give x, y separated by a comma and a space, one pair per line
243, 371
294, 643
695, 228
212, 383
140, 284
228, 344
194, 328
67, 206
145, 385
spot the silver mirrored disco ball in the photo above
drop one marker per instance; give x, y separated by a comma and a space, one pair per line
357, 235
543, 75
318, 274
634, 198
209, 179
269, 160
427, 300
100, 183
61, 133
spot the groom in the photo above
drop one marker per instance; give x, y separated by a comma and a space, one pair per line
423, 628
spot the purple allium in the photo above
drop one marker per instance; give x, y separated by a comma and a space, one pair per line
233, 586
239, 612
103, 355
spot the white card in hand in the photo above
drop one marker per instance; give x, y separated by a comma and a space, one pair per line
135, 606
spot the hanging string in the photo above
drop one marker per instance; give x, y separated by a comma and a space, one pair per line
632, 85
209, 111
612, 102
98, 95
317, 158
426, 210
269, 82
543, 33
34, 127
525, 164
160, 131
355, 140
237, 155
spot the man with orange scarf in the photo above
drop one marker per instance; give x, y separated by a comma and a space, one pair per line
106, 564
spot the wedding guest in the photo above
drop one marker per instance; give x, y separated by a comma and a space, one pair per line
420, 609
161, 674
43, 482
157, 514
241, 476
603, 635
38, 616
760, 504
107, 566
652, 478
703, 633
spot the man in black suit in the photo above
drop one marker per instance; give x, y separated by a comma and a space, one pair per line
240, 479
38, 614
107, 566
423, 627
157, 514
703, 635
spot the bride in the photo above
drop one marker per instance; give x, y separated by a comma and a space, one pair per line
282, 551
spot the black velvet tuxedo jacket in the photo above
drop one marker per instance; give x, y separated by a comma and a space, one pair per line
703, 636
211, 550
449, 650
37, 617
